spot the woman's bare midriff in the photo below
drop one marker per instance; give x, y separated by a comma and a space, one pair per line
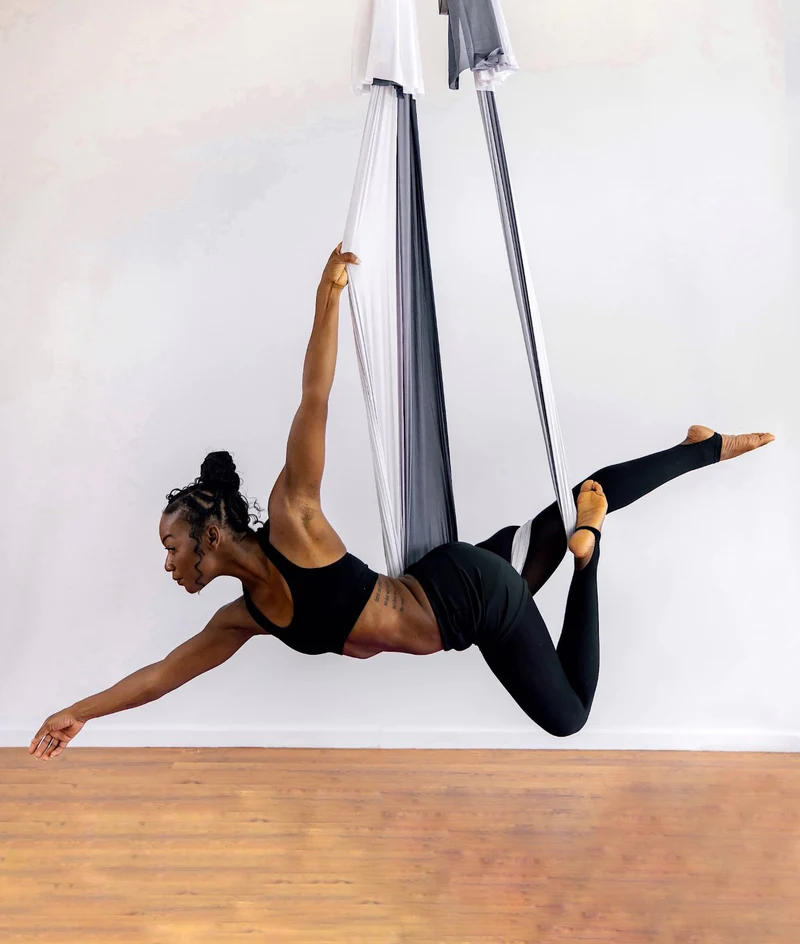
398, 618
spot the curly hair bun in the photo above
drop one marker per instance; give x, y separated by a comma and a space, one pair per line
218, 473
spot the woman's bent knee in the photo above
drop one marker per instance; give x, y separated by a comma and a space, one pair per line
566, 727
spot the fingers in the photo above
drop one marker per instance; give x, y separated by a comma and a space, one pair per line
53, 744
37, 738
335, 272
37, 751
349, 257
49, 745
42, 746
56, 747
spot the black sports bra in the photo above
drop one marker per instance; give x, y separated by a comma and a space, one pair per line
327, 601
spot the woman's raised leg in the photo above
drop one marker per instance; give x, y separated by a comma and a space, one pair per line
623, 484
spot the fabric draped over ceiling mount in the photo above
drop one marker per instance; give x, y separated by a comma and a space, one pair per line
391, 292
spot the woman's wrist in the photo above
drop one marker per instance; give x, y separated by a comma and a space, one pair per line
80, 711
329, 293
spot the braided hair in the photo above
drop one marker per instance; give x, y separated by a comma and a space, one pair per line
213, 497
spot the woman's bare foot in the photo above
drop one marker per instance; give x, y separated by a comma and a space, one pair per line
592, 507
732, 446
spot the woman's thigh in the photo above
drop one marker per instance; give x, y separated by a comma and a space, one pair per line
527, 665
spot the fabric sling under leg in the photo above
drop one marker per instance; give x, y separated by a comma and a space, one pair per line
623, 484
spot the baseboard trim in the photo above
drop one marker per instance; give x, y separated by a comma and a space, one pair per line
522, 738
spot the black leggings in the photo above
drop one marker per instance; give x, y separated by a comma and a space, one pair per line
555, 686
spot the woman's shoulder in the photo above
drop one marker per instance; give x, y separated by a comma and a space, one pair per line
236, 616
308, 540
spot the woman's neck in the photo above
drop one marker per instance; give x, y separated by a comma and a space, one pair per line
246, 561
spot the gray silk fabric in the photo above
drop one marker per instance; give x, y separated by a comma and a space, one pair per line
429, 508
528, 311
474, 39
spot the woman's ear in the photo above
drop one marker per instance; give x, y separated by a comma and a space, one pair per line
213, 537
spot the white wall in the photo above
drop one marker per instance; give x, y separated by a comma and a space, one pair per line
172, 178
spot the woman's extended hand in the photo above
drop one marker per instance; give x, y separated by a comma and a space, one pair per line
335, 271
54, 735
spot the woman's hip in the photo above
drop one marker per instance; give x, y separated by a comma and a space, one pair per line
476, 596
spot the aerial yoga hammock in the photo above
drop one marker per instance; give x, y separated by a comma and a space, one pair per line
298, 582
391, 295
394, 321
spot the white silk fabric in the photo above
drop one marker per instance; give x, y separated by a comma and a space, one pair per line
371, 233
386, 46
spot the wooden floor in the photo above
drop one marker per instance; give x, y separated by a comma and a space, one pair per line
219, 845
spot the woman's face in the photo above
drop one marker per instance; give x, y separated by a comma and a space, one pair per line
182, 558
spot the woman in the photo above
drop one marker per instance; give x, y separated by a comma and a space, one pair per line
300, 584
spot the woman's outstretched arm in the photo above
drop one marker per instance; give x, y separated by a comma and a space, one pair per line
300, 481
221, 638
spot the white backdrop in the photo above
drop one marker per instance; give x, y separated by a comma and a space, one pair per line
172, 177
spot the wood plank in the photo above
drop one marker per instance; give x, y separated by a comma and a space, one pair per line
219, 845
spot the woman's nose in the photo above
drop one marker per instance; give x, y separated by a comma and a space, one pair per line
169, 566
